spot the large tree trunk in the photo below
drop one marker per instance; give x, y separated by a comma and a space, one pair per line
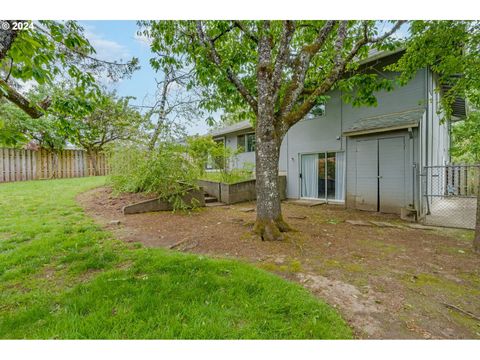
476, 239
269, 224
268, 137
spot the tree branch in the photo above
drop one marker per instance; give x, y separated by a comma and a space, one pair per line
338, 70
301, 64
35, 111
215, 57
283, 55
242, 27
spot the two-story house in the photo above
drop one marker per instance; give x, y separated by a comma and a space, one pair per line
368, 158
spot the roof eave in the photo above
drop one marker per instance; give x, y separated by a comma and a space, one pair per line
378, 130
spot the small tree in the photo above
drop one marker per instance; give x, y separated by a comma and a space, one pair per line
43, 53
111, 120
175, 105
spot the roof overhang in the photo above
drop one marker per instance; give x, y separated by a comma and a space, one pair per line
387, 122
377, 55
241, 126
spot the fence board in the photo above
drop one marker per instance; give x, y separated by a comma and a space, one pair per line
21, 165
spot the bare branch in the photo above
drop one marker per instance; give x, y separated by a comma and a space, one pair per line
215, 57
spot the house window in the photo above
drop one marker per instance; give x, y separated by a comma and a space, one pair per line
246, 143
317, 111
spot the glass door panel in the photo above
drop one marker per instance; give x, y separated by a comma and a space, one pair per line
309, 177
331, 175
321, 176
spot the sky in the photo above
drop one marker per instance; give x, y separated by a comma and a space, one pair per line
118, 40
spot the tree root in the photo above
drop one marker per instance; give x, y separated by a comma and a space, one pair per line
271, 230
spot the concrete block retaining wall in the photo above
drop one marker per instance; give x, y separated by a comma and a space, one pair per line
238, 192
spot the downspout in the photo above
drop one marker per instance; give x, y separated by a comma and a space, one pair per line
426, 138
413, 164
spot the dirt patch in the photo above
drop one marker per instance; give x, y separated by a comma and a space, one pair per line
387, 281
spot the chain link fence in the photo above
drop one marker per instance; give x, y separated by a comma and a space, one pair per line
450, 193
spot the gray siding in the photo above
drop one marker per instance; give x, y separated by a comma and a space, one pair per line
320, 134
426, 145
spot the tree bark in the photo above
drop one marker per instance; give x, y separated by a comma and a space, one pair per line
54, 174
476, 239
269, 224
35, 111
91, 154
7, 37
268, 138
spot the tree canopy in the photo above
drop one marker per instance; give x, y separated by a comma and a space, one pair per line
307, 59
46, 52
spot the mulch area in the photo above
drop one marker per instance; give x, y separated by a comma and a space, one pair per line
388, 282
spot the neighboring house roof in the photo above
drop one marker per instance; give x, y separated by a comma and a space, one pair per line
387, 122
375, 54
243, 125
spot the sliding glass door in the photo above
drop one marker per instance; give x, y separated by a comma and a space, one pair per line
322, 176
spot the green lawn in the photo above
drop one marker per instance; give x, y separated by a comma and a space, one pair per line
61, 276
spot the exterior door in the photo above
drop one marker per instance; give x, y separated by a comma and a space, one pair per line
381, 174
391, 158
367, 175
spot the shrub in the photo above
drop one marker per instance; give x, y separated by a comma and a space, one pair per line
230, 176
203, 151
165, 171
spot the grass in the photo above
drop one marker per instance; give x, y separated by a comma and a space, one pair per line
61, 276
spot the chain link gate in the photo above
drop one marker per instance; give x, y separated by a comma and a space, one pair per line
450, 194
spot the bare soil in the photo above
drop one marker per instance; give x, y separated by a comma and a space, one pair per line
388, 282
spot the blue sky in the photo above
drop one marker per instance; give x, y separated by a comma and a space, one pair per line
117, 40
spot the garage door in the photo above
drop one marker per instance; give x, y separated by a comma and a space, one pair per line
380, 174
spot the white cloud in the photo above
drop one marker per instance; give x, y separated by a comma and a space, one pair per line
142, 39
108, 50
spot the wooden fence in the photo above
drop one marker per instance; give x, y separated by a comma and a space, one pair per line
20, 165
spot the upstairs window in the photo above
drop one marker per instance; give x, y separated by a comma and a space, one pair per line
246, 142
317, 111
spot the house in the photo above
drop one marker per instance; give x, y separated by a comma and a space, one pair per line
368, 158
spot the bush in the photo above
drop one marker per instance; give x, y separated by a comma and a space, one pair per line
203, 151
165, 171
231, 176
